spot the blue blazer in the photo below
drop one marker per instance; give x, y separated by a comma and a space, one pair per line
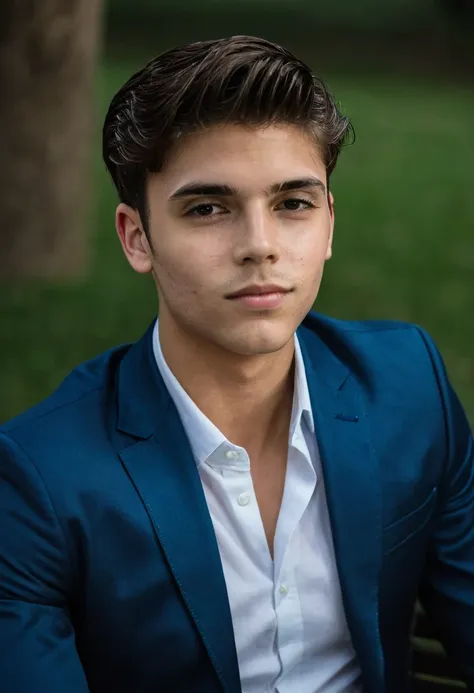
110, 575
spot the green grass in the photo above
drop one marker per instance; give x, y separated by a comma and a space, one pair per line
403, 250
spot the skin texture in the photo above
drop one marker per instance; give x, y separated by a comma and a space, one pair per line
235, 363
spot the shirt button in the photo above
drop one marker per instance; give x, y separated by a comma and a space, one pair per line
232, 455
243, 499
283, 589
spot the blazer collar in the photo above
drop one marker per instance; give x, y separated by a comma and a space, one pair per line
143, 398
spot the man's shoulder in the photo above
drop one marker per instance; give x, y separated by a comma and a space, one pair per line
75, 401
381, 349
318, 322
369, 333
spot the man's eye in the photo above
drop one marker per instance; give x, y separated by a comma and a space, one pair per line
295, 204
206, 209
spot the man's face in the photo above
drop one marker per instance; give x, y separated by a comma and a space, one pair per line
237, 207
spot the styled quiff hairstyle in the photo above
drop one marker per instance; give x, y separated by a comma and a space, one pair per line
242, 79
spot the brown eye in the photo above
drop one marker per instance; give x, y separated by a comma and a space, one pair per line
296, 204
204, 210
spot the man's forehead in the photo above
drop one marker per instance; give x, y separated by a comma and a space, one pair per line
211, 145
242, 158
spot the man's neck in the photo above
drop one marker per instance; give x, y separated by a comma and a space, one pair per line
248, 398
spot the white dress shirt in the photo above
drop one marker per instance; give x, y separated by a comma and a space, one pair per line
290, 629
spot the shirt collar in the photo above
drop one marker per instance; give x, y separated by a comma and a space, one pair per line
301, 399
204, 437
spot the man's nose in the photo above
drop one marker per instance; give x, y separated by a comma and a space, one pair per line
257, 238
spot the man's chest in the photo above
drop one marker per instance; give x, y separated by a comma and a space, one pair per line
268, 480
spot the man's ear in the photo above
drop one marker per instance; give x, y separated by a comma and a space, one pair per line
331, 220
133, 239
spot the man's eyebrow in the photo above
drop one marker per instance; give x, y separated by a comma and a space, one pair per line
297, 184
217, 189
204, 189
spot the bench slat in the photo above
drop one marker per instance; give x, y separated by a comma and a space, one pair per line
433, 664
431, 686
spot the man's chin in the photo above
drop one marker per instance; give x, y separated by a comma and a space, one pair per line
254, 342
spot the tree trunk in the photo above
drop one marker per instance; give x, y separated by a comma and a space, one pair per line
48, 51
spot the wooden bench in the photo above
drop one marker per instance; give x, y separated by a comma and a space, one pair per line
432, 671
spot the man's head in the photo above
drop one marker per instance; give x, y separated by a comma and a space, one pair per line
221, 152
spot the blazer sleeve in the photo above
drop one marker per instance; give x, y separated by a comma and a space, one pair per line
447, 591
37, 647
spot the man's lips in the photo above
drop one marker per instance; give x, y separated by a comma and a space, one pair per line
259, 290
260, 298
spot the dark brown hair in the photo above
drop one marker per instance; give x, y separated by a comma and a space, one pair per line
241, 79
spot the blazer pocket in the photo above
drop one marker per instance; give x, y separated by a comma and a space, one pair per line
400, 531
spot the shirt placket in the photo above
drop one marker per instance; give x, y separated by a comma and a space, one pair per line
299, 487
240, 492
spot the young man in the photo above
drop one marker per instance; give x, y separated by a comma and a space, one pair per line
253, 496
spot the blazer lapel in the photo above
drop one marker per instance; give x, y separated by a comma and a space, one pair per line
164, 472
352, 481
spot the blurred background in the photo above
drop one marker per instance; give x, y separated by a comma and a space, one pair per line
403, 70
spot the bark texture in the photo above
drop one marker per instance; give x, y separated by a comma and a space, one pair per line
48, 52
